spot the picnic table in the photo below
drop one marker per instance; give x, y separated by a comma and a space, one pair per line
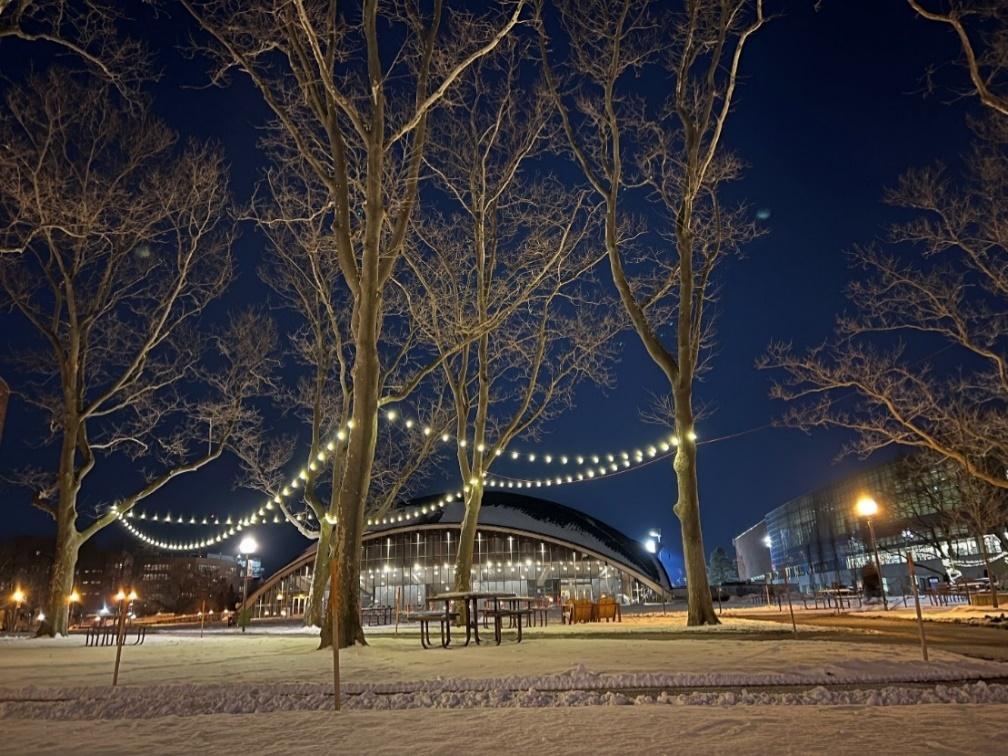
838, 594
471, 600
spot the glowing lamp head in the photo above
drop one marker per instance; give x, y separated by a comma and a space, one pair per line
18, 596
248, 545
121, 595
74, 597
132, 596
866, 507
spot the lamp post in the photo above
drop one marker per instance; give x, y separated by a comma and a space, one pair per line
73, 598
868, 508
18, 598
768, 542
246, 548
122, 597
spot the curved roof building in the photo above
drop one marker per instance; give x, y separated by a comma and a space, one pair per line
524, 545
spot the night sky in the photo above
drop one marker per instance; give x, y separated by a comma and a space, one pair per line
831, 112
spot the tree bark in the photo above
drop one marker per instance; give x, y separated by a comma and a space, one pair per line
700, 609
982, 543
357, 474
315, 610
467, 540
61, 579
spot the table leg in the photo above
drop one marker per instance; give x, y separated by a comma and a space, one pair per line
447, 623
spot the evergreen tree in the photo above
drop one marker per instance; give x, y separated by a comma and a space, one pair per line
721, 568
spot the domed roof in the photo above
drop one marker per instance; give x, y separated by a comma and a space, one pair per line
549, 519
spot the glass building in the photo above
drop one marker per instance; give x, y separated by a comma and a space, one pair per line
524, 545
819, 540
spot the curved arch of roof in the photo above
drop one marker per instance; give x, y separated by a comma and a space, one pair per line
308, 556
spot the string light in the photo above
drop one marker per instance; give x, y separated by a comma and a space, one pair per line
587, 471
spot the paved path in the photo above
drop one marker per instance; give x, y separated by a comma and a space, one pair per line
968, 640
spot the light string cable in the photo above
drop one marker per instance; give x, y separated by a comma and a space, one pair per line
583, 468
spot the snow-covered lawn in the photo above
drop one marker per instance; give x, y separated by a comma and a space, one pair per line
734, 653
738, 730
604, 688
972, 615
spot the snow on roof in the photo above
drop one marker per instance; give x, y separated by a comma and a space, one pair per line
548, 519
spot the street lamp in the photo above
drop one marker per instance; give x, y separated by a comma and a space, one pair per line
247, 547
867, 507
73, 598
18, 598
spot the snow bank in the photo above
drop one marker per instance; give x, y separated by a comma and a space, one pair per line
162, 701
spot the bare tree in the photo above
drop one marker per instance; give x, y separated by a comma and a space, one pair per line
510, 260
923, 502
359, 119
126, 241
981, 509
985, 49
942, 281
302, 268
675, 152
87, 29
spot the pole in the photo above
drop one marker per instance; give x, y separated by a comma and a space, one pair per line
202, 619
334, 616
787, 590
720, 608
398, 606
878, 564
120, 632
920, 620
248, 565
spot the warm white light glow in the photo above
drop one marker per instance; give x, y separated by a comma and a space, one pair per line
866, 507
248, 545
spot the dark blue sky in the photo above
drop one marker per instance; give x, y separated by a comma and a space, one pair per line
830, 113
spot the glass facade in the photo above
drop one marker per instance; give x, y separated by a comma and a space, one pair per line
420, 563
819, 540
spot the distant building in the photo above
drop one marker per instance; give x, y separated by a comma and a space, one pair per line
24, 564
99, 576
164, 582
819, 540
181, 583
751, 553
524, 545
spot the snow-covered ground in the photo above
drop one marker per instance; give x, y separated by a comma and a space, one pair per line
738, 730
972, 615
644, 684
733, 654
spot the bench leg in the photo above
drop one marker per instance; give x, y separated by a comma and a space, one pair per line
423, 626
519, 628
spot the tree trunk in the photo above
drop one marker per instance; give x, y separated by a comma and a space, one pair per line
61, 579
982, 542
315, 608
354, 489
700, 607
467, 542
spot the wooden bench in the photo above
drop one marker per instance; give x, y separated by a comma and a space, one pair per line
425, 618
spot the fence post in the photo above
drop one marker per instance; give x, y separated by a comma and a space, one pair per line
787, 589
920, 619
